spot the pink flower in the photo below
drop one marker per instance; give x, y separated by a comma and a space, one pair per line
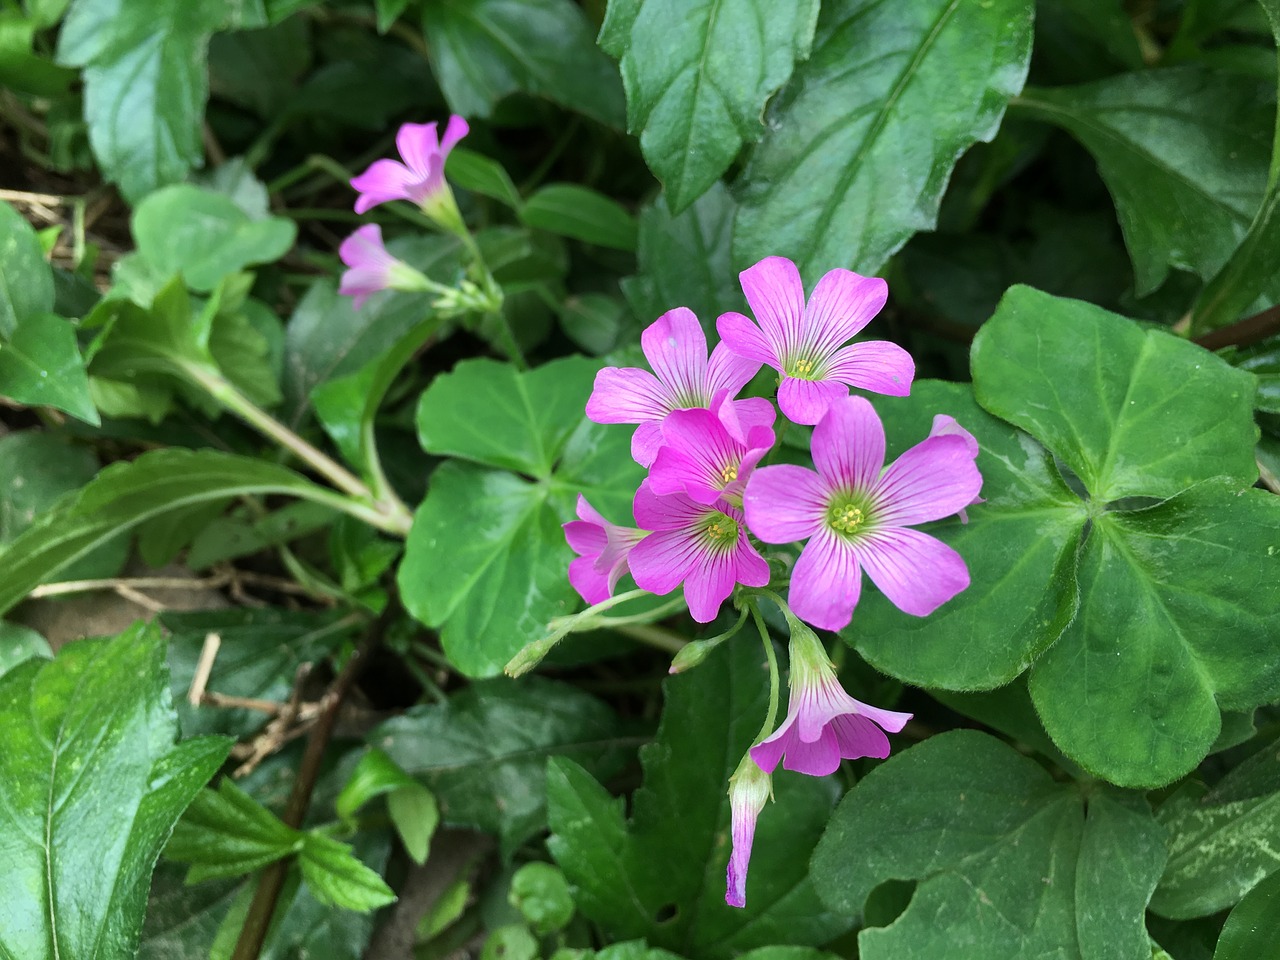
704, 547
856, 515
676, 348
420, 179
604, 548
372, 268
824, 724
803, 342
749, 789
702, 458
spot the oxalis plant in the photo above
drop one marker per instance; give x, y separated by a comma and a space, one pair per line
327, 407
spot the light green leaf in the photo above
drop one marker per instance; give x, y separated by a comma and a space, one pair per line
480, 174
1008, 862
483, 50
226, 833
697, 76
1184, 153
127, 493
19, 644
583, 214
415, 814
862, 141
1132, 412
413, 808
40, 365
338, 879
93, 723
661, 875
484, 752
26, 283
543, 896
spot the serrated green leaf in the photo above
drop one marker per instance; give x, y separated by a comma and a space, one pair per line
483, 50
660, 876
582, 214
338, 879
1008, 862
862, 141
26, 282
1184, 153
484, 752
226, 833
697, 76
1019, 545
93, 723
205, 236
128, 493
40, 365
145, 84
1132, 412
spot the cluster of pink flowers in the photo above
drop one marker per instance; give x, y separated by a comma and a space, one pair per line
707, 504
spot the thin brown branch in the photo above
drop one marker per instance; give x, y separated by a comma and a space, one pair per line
1244, 332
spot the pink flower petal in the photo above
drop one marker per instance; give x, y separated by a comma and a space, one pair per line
785, 503
740, 417
768, 752
826, 581
744, 338
626, 395
454, 131
848, 445
817, 759
805, 401
419, 146
728, 370
945, 426
384, 180
917, 572
934, 479
842, 304
709, 584
646, 442
676, 348
776, 294
857, 736
671, 512
875, 365
591, 584
698, 450
586, 538
661, 560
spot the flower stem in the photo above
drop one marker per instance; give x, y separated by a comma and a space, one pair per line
774, 678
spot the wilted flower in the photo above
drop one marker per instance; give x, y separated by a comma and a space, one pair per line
803, 342
372, 269
604, 548
749, 789
420, 179
856, 517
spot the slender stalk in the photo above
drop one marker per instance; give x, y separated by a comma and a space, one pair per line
652, 636
774, 679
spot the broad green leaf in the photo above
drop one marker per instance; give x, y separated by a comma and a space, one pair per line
1008, 863
19, 644
1248, 272
863, 139
95, 722
685, 260
145, 84
583, 214
483, 50
26, 283
128, 493
480, 174
40, 365
1221, 843
181, 921
615, 32
1019, 545
543, 896
204, 236
484, 752
338, 879
1184, 153
226, 833
1132, 412
493, 414
22, 69
697, 76
1252, 932
660, 875
1177, 620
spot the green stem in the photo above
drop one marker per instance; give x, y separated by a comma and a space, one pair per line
774, 677
652, 636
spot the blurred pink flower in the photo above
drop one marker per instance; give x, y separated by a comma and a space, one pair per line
803, 342
704, 547
749, 789
603, 548
855, 515
676, 348
371, 268
420, 179
824, 724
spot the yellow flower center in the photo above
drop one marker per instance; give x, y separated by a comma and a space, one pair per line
803, 369
721, 530
844, 517
729, 473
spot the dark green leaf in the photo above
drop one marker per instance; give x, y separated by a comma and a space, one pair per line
697, 76
1008, 862
1132, 412
40, 365
21, 68
1184, 153
1252, 932
483, 50
226, 833
573, 211
862, 141
26, 283
338, 879
484, 752
94, 723
145, 84
181, 920
661, 875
